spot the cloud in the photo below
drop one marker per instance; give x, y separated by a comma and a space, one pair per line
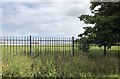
45, 0
0, 20
43, 18
60, 0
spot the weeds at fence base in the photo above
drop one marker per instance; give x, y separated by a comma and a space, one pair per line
59, 65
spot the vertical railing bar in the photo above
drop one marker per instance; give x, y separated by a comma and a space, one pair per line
38, 47
59, 46
42, 47
41, 44
54, 44
63, 46
1, 47
22, 45
13, 44
27, 45
77, 48
19, 44
10, 43
4, 46
16, 45
1, 44
66, 47
35, 49
30, 47
33, 45
50, 45
72, 46
7, 44
45, 44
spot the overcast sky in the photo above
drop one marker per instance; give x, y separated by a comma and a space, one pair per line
55, 19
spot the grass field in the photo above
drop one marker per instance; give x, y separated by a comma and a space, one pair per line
60, 48
57, 61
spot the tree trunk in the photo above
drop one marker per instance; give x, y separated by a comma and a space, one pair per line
104, 50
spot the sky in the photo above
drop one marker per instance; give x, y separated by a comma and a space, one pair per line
43, 18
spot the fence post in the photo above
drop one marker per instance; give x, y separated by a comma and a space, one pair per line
30, 47
72, 46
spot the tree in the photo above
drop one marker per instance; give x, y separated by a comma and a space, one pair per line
83, 44
106, 20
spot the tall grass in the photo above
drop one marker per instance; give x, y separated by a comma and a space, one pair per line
59, 64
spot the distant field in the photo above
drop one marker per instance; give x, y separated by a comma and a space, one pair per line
67, 49
51, 48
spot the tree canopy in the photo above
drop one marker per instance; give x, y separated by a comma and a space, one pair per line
106, 20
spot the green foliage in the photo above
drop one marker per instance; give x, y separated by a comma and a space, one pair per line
16, 65
83, 44
57, 65
106, 20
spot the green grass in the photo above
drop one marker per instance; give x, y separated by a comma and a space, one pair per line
54, 62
